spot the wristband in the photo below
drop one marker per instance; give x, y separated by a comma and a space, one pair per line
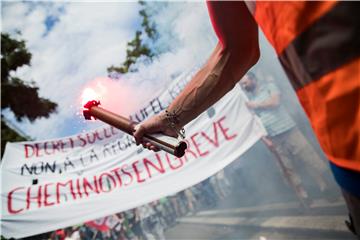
173, 121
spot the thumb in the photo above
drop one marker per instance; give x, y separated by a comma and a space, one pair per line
170, 132
139, 133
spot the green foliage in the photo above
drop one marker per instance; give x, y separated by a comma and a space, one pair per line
22, 98
148, 28
9, 135
14, 54
137, 47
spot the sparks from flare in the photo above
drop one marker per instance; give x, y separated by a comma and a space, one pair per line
121, 97
88, 95
96, 92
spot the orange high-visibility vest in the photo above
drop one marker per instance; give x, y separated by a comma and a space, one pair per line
318, 44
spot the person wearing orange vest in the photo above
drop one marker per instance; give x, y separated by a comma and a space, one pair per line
318, 46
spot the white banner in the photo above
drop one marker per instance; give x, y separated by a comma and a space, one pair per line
47, 185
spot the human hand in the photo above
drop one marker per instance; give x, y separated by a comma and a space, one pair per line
252, 105
155, 124
268, 142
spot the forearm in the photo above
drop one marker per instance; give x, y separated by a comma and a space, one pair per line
219, 75
237, 51
272, 102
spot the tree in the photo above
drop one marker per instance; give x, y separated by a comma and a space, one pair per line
9, 135
20, 97
138, 47
148, 27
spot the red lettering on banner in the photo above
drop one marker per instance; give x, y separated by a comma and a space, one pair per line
62, 145
87, 184
71, 143
197, 146
36, 197
214, 141
137, 172
159, 168
32, 150
46, 149
78, 188
225, 130
189, 151
58, 146
10, 199
27, 151
113, 130
95, 136
88, 137
200, 144
37, 152
47, 195
55, 146
175, 158
117, 174
106, 135
59, 185
82, 141
123, 170
109, 184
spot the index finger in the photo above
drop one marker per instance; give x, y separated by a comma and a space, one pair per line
139, 133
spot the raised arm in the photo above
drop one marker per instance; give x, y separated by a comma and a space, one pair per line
236, 52
272, 102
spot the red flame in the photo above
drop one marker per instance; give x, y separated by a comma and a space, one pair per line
88, 95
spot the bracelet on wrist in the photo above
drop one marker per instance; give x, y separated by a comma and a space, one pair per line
173, 122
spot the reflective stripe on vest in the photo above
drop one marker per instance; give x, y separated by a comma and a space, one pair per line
318, 44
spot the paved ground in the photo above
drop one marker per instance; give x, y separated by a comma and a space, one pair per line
279, 221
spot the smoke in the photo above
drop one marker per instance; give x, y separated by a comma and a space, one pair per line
185, 41
73, 51
256, 178
118, 95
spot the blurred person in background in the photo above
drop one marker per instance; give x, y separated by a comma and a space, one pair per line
144, 213
120, 228
318, 46
182, 202
221, 184
175, 204
168, 211
209, 197
191, 201
58, 234
75, 233
135, 223
284, 138
150, 223
160, 224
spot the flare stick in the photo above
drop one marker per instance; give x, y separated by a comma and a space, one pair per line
169, 144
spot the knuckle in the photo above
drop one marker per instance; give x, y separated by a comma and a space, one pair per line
141, 128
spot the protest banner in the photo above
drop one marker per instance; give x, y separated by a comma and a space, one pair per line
51, 184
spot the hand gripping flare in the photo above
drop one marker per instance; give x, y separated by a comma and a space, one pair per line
168, 144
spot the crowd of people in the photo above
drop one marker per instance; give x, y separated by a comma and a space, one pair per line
150, 221
290, 150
